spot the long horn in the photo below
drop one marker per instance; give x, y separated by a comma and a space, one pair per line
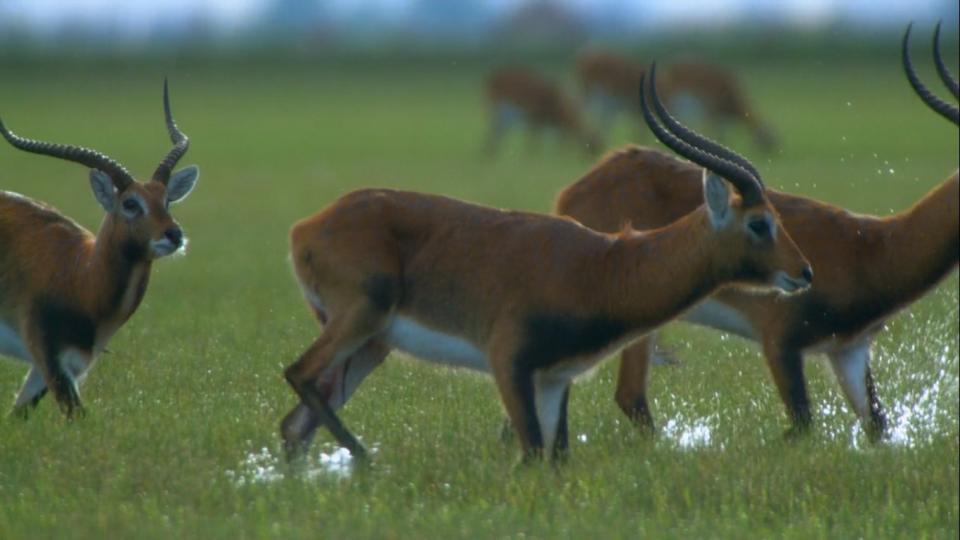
942, 107
945, 74
750, 189
78, 154
693, 138
180, 142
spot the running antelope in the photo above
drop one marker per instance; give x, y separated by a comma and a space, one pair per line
64, 291
868, 268
520, 96
609, 81
534, 300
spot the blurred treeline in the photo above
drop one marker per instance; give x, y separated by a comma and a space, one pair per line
471, 32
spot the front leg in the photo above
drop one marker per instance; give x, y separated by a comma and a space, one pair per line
515, 382
32, 391
632, 381
561, 444
786, 365
57, 378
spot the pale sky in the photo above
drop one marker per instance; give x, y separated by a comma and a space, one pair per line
139, 16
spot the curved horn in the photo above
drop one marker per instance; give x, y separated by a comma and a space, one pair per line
78, 154
942, 69
693, 138
750, 189
180, 142
942, 107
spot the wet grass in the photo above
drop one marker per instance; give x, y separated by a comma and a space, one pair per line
181, 439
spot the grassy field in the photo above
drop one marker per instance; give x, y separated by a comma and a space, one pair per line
181, 439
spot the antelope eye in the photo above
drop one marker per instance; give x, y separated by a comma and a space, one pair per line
760, 227
131, 206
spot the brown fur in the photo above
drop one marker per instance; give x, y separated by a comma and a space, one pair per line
542, 104
716, 89
867, 267
538, 295
52, 267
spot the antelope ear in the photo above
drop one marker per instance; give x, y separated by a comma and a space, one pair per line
716, 192
181, 183
103, 189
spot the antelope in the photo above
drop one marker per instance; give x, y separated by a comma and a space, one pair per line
608, 85
534, 300
519, 96
868, 269
64, 291
609, 81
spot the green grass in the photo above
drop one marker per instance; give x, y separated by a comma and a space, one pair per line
185, 408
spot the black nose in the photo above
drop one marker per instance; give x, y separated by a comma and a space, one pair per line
175, 236
808, 274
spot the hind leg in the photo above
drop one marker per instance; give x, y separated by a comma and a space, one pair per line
852, 368
346, 333
299, 426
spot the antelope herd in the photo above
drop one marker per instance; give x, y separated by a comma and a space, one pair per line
534, 300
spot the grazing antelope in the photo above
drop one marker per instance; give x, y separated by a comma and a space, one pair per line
609, 81
64, 291
717, 93
532, 299
520, 96
868, 268
608, 85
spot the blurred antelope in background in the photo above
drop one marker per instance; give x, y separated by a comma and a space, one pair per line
691, 88
868, 268
532, 299
608, 86
518, 96
64, 291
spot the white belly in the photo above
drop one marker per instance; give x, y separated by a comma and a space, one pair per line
11, 345
417, 340
714, 314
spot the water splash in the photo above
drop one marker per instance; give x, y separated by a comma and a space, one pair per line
919, 386
689, 434
263, 467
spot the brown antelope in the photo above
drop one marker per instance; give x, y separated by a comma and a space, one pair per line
608, 85
867, 269
63, 291
520, 96
532, 299
609, 81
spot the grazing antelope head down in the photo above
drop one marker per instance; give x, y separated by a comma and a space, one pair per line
64, 291
748, 227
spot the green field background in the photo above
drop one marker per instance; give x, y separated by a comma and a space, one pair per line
181, 436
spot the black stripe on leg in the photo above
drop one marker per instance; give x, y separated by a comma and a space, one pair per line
35, 400
561, 443
523, 386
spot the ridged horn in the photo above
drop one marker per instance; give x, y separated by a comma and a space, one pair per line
943, 108
78, 154
180, 141
742, 180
